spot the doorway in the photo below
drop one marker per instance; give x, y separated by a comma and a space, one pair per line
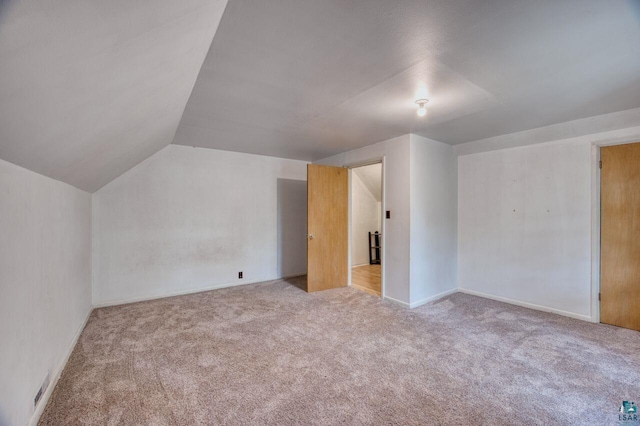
619, 230
366, 237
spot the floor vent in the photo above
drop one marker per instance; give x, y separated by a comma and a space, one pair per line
42, 390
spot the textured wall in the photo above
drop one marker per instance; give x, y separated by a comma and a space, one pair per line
525, 225
189, 219
365, 218
434, 208
396, 198
45, 282
292, 227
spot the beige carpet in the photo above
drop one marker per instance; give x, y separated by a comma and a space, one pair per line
272, 354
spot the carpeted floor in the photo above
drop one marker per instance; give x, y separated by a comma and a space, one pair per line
272, 354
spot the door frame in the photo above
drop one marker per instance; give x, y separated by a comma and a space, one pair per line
595, 218
383, 253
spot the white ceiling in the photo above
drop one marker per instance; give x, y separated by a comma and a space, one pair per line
90, 88
371, 177
307, 79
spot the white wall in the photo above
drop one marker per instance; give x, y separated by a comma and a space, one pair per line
189, 219
365, 218
292, 227
395, 257
45, 283
434, 208
525, 225
616, 127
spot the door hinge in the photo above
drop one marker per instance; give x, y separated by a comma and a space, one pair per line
600, 163
599, 297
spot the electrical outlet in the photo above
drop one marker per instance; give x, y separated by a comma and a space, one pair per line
42, 390
240, 274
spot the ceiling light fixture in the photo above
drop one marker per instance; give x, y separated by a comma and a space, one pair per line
422, 110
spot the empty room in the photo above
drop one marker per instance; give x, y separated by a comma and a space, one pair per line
319, 212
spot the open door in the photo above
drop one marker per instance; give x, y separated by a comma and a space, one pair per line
620, 236
327, 227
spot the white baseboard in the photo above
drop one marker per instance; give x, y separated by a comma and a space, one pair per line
396, 301
56, 376
432, 298
420, 302
185, 292
527, 305
35, 417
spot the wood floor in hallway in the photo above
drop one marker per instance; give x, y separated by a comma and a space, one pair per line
366, 278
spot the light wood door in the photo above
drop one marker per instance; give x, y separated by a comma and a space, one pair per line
620, 236
327, 227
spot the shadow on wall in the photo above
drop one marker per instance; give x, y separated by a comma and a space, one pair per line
4, 421
4, 8
292, 227
635, 7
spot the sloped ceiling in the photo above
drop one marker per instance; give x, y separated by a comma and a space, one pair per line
307, 79
371, 177
89, 88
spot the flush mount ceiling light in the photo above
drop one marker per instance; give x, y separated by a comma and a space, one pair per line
422, 110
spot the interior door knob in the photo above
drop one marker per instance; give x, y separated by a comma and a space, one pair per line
310, 236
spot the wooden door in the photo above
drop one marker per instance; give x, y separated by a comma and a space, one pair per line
327, 227
620, 236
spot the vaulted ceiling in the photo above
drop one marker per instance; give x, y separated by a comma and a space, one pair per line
307, 79
90, 88
371, 177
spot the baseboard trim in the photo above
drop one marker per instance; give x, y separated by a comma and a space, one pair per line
432, 298
527, 305
35, 417
396, 301
118, 302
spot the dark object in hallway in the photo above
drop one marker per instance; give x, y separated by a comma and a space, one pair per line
374, 248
